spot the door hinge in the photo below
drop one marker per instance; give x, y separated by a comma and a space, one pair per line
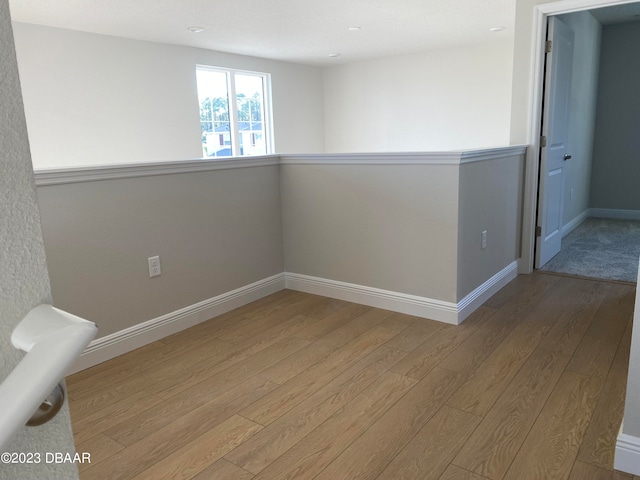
538, 231
543, 141
547, 46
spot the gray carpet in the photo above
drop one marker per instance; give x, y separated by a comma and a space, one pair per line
600, 248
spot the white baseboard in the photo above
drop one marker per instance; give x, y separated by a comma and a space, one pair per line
475, 299
614, 213
575, 223
110, 346
124, 341
627, 456
447, 312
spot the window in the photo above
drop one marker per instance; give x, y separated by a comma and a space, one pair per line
234, 112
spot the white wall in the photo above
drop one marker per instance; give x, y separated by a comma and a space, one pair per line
95, 99
24, 282
437, 100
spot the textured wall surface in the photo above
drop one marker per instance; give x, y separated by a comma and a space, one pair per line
24, 282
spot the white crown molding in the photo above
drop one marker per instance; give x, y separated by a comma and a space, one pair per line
456, 157
400, 158
110, 346
472, 156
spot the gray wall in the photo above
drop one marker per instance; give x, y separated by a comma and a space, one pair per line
382, 226
412, 229
214, 231
24, 282
582, 112
616, 165
491, 195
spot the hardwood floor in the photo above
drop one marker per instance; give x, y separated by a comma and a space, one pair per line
297, 386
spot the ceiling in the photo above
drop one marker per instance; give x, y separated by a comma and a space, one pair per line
302, 31
628, 12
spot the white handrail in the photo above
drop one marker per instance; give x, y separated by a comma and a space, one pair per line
53, 339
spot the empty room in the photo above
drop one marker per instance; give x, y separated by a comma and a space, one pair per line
297, 240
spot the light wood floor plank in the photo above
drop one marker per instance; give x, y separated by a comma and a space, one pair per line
153, 379
233, 365
583, 471
100, 447
547, 312
457, 473
141, 455
524, 290
203, 451
582, 306
260, 325
223, 470
368, 456
429, 453
485, 384
332, 322
229, 401
415, 335
122, 410
475, 350
313, 453
295, 364
551, 447
298, 387
599, 443
600, 343
257, 453
495, 443
129, 364
355, 328
440, 345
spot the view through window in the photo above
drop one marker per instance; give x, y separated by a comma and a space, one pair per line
233, 112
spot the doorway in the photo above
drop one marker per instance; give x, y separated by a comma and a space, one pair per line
599, 213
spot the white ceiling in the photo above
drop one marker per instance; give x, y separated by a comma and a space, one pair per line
304, 31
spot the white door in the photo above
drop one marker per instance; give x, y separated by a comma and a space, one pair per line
555, 127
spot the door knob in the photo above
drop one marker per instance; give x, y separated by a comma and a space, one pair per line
566, 157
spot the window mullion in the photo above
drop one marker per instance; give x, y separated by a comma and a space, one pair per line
233, 116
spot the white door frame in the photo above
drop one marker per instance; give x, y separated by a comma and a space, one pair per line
540, 14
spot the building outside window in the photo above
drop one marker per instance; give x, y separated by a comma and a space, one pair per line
234, 112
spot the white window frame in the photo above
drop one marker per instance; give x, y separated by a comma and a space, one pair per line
267, 115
